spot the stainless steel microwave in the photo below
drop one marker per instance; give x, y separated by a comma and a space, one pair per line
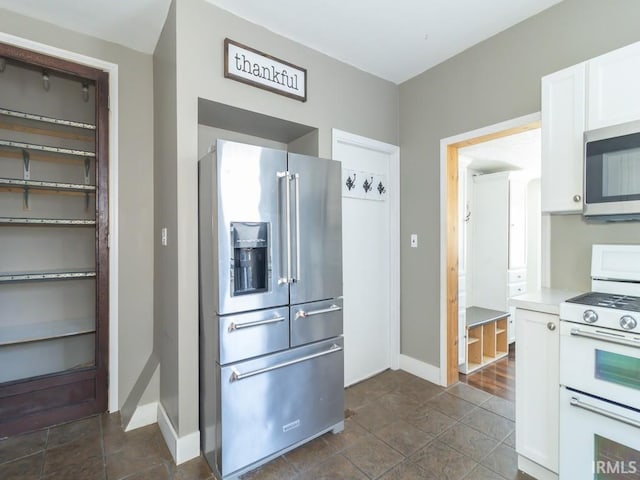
612, 172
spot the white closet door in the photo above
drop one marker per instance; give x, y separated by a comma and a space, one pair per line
366, 253
490, 246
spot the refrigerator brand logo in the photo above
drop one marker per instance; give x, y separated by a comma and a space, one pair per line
258, 69
290, 426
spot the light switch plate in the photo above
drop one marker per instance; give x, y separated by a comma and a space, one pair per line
414, 240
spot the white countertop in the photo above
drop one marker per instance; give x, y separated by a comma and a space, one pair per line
545, 300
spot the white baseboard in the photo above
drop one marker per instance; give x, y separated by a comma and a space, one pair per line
182, 449
144, 415
537, 471
420, 369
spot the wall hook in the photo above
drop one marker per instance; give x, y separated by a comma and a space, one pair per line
351, 182
367, 185
45, 81
3, 64
85, 92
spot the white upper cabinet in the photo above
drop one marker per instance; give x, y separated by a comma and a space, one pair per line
614, 79
563, 124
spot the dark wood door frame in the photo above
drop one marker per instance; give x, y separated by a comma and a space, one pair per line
34, 403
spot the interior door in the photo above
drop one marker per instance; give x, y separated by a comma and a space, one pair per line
366, 239
316, 228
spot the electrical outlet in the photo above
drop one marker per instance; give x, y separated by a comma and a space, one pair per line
163, 236
414, 240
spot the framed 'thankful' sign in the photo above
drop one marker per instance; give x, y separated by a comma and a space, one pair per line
250, 66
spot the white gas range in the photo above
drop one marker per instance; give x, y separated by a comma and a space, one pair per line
600, 370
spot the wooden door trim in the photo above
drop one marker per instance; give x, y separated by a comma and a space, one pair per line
449, 257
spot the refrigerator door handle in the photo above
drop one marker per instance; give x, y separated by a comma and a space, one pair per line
296, 178
236, 375
287, 214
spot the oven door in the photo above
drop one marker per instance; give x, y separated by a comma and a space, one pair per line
599, 440
603, 362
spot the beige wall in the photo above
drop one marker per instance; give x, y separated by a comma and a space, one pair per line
166, 214
339, 96
135, 184
571, 247
496, 80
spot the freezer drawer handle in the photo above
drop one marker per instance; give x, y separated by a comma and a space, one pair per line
576, 332
303, 314
613, 416
237, 326
236, 375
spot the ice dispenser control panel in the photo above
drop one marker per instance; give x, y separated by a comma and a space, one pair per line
250, 262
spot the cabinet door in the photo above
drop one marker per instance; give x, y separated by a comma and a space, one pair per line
563, 120
613, 87
537, 387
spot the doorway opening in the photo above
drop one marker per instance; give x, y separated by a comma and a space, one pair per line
494, 177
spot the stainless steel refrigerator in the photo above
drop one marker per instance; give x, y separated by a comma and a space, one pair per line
271, 346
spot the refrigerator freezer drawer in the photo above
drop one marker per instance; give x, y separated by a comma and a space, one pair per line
248, 335
312, 322
273, 402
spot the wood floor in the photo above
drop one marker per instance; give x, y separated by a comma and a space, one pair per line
498, 378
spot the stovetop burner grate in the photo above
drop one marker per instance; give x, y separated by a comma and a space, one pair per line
608, 300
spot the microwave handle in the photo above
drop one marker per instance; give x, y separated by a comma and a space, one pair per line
575, 402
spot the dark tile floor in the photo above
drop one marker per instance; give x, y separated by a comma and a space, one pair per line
398, 427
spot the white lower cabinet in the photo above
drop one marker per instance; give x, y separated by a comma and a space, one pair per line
537, 390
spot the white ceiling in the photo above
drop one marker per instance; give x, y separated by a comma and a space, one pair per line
133, 23
394, 40
521, 151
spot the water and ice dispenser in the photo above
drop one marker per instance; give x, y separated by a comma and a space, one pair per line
250, 244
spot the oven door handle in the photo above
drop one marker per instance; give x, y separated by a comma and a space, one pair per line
575, 402
576, 332
236, 375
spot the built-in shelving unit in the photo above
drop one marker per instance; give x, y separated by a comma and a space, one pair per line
53, 278
486, 337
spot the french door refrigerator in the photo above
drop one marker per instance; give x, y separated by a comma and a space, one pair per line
271, 346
